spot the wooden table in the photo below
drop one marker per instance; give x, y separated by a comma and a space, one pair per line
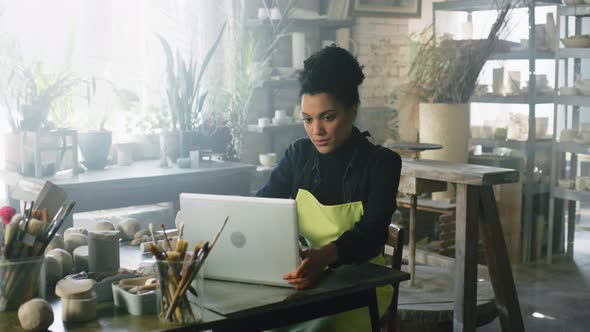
476, 209
143, 182
235, 306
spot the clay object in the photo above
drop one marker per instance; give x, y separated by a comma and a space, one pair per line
78, 300
103, 251
78, 310
81, 259
74, 241
103, 225
64, 258
128, 227
138, 241
35, 315
141, 233
53, 269
56, 243
69, 288
75, 230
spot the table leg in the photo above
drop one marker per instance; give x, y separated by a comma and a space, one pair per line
412, 240
464, 313
498, 264
373, 310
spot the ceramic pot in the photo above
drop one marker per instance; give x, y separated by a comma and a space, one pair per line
447, 125
94, 148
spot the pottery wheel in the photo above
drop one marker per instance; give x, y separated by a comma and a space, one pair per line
430, 302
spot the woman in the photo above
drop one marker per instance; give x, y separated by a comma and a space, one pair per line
345, 187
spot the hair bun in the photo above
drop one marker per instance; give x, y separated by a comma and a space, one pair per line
333, 70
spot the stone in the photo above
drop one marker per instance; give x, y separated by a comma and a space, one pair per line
128, 227
75, 240
75, 230
65, 259
81, 259
53, 270
56, 243
35, 315
103, 225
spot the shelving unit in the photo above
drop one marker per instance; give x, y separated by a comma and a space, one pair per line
531, 146
315, 30
567, 108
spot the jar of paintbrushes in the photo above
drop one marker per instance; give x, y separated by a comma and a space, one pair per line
25, 239
180, 272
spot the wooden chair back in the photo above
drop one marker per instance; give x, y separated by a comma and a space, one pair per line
395, 240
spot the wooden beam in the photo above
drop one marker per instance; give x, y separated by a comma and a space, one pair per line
457, 172
466, 258
417, 186
498, 264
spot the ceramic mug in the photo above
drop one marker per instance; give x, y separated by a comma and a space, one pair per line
263, 14
263, 122
279, 114
275, 14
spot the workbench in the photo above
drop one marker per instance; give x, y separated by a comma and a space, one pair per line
476, 211
143, 182
234, 306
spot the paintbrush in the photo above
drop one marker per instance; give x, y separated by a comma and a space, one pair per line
155, 251
152, 233
28, 217
192, 272
56, 217
56, 228
186, 279
166, 237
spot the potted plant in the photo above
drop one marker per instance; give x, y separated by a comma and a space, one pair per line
95, 144
184, 95
249, 56
36, 116
213, 134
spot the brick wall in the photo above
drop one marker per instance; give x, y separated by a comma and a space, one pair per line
383, 50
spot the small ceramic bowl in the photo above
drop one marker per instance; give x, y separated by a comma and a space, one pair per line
568, 91
576, 41
267, 159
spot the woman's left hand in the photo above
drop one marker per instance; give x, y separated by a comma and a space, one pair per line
312, 267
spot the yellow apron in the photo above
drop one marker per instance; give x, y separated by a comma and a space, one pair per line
319, 225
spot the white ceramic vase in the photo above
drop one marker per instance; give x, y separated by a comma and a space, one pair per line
447, 125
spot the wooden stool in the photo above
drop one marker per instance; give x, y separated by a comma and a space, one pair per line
476, 210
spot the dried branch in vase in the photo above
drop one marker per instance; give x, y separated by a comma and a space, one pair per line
446, 71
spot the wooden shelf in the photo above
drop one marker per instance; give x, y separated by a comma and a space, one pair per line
320, 22
572, 147
273, 129
510, 144
573, 100
523, 99
477, 5
580, 53
279, 83
522, 55
577, 10
571, 194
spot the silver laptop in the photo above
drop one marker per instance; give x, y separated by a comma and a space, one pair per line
259, 243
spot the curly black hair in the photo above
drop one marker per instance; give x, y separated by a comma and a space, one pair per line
335, 71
